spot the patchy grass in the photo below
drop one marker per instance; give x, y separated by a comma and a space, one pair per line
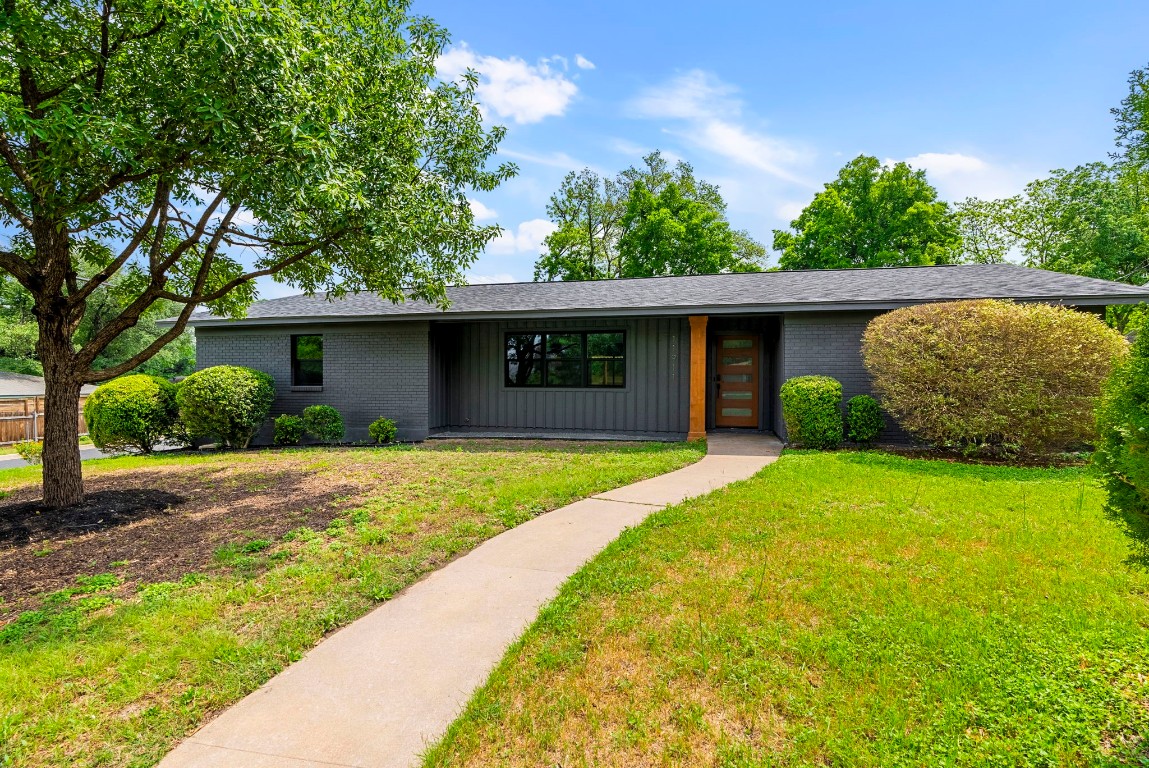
126, 653
840, 609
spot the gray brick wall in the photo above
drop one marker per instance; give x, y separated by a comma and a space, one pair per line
369, 370
830, 344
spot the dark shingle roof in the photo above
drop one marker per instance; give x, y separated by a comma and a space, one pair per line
832, 290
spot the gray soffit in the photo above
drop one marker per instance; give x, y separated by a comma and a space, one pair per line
745, 293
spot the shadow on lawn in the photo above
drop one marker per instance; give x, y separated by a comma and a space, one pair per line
935, 466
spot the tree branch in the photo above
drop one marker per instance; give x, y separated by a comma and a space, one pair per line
159, 202
94, 377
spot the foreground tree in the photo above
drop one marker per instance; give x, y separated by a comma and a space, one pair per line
191, 147
595, 214
871, 216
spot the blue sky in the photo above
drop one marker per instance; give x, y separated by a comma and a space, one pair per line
769, 99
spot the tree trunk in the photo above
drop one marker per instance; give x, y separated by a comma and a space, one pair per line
63, 476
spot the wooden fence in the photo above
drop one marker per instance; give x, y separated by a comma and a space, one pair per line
22, 418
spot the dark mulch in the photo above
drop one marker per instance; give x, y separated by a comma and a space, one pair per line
155, 525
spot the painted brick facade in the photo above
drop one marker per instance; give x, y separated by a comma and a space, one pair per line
369, 370
830, 344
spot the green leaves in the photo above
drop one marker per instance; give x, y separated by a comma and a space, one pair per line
649, 220
871, 216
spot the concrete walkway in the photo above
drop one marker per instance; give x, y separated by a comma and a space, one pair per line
380, 691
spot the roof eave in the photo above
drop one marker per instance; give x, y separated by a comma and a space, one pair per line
677, 310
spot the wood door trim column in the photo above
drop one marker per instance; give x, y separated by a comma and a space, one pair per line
697, 428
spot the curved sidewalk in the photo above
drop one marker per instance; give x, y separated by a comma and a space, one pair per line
381, 690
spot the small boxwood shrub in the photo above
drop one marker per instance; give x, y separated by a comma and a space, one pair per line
323, 423
1122, 453
227, 402
382, 430
31, 451
812, 409
992, 374
864, 420
288, 429
131, 413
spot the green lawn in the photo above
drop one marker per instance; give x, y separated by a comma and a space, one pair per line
112, 672
852, 609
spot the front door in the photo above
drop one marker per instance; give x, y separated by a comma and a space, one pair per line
736, 366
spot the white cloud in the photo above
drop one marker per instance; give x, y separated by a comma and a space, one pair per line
526, 238
582, 62
789, 211
711, 116
512, 88
481, 212
958, 176
502, 277
551, 159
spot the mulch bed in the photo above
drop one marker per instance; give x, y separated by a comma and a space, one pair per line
156, 525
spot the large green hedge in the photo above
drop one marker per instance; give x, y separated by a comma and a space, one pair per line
227, 402
812, 408
992, 374
1122, 452
131, 413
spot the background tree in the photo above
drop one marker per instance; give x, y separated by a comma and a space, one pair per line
671, 234
188, 148
1091, 221
871, 216
593, 216
19, 332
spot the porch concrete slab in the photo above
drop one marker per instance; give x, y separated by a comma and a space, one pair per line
381, 690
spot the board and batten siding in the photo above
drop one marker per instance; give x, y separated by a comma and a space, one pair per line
655, 400
369, 370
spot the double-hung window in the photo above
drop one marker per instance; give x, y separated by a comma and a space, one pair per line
565, 359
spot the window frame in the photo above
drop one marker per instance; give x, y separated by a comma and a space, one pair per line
295, 361
585, 359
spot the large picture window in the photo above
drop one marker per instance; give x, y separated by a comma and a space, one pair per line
307, 361
565, 359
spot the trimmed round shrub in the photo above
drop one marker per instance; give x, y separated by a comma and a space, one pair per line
382, 430
864, 420
288, 429
227, 402
1122, 453
323, 423
131, 413
812, 409
992, 374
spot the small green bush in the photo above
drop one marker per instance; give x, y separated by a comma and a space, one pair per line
864, 420
288, 429
323, 423
226, 402
1122, 453
131, 413
382, 430
812, 409
988, 374
31, 451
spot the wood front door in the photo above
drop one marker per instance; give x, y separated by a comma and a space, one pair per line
737, 368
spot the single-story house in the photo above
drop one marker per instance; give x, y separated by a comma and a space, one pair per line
666, 357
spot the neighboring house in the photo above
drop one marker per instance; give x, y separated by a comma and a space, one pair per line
22, 407
666, 357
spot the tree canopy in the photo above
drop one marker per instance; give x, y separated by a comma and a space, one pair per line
651, 219
185, 149
871, 215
